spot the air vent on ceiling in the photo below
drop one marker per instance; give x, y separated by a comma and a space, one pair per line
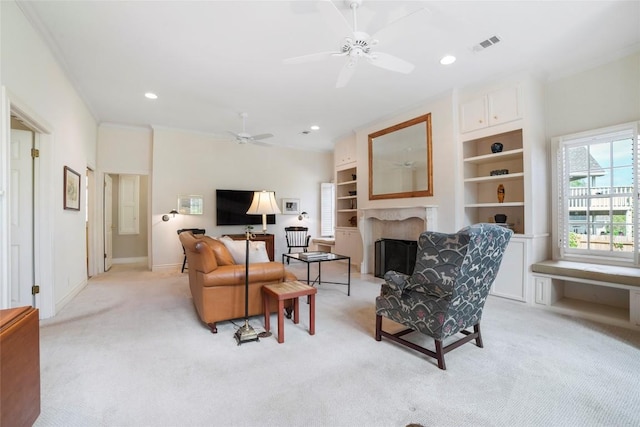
486, 43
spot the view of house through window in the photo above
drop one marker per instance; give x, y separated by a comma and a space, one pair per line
598, 188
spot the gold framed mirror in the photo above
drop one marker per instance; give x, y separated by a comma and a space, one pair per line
400, 161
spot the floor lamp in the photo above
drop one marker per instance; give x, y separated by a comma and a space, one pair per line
263, 203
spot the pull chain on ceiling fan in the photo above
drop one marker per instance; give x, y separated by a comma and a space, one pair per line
359, 45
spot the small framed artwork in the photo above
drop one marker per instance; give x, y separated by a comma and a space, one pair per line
190, 205
71, 189
291, 206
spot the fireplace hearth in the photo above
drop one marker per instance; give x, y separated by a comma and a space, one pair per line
395, 254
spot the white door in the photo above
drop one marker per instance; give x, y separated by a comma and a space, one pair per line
108, 222
21, 218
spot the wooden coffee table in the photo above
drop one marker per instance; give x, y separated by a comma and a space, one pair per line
285, 291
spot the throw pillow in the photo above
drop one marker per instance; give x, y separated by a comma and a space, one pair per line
257, 250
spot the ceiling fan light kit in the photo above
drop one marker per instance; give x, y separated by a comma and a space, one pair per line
359, 45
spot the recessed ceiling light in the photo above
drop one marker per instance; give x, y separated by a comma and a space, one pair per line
151, 95
315, 127
448, 60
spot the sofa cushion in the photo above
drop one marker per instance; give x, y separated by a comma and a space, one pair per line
222, 254
237, 248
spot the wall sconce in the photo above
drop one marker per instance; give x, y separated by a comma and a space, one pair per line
302, 216
166, 218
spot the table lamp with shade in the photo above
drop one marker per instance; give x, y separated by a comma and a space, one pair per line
263, 203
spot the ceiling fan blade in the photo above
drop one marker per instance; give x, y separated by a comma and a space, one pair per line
390, 62
310, 58
260, 143
262, 136
234, 134
346, 73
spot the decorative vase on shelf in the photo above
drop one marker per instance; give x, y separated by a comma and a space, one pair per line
500, 218
496, 147
500, 193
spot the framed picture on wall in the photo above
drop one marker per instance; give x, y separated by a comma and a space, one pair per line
71, 189
291, 206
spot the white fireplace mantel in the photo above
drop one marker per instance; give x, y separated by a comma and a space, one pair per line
395, 222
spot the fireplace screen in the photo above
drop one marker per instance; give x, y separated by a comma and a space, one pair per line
396, 255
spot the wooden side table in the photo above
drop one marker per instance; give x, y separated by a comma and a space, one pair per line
19, 366
282, 292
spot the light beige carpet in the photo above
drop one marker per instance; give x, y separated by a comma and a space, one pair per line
129, 350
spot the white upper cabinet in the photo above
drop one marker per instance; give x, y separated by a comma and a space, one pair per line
491, 109
473, 115
344, 152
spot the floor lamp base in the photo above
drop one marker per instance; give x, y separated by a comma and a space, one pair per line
246, 333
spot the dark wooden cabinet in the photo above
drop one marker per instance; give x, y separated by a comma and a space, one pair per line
19, 366
268, 239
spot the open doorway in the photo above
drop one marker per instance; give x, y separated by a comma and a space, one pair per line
126, 206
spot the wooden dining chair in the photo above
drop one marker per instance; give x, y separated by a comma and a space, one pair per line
297, 237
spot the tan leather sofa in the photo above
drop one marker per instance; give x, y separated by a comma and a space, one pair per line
218, 284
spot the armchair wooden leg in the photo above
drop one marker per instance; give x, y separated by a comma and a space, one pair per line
440, 355
476, 330
212, 326
378, 327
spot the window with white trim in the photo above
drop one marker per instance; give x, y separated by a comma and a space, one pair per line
596, 181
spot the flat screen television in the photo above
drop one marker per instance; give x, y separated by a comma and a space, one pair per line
232, 206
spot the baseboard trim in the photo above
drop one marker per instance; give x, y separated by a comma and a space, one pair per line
71, 295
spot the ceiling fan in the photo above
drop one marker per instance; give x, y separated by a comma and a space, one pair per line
406, 165
358, 45
244, 137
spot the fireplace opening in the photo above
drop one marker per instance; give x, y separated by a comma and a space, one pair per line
394, 254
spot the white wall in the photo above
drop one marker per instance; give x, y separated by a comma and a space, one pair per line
36, 85
445, 161
595, 98
187, 163
124, 149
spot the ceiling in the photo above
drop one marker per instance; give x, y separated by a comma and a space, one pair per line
210, 60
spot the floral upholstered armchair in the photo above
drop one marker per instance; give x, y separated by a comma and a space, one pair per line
446, 293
